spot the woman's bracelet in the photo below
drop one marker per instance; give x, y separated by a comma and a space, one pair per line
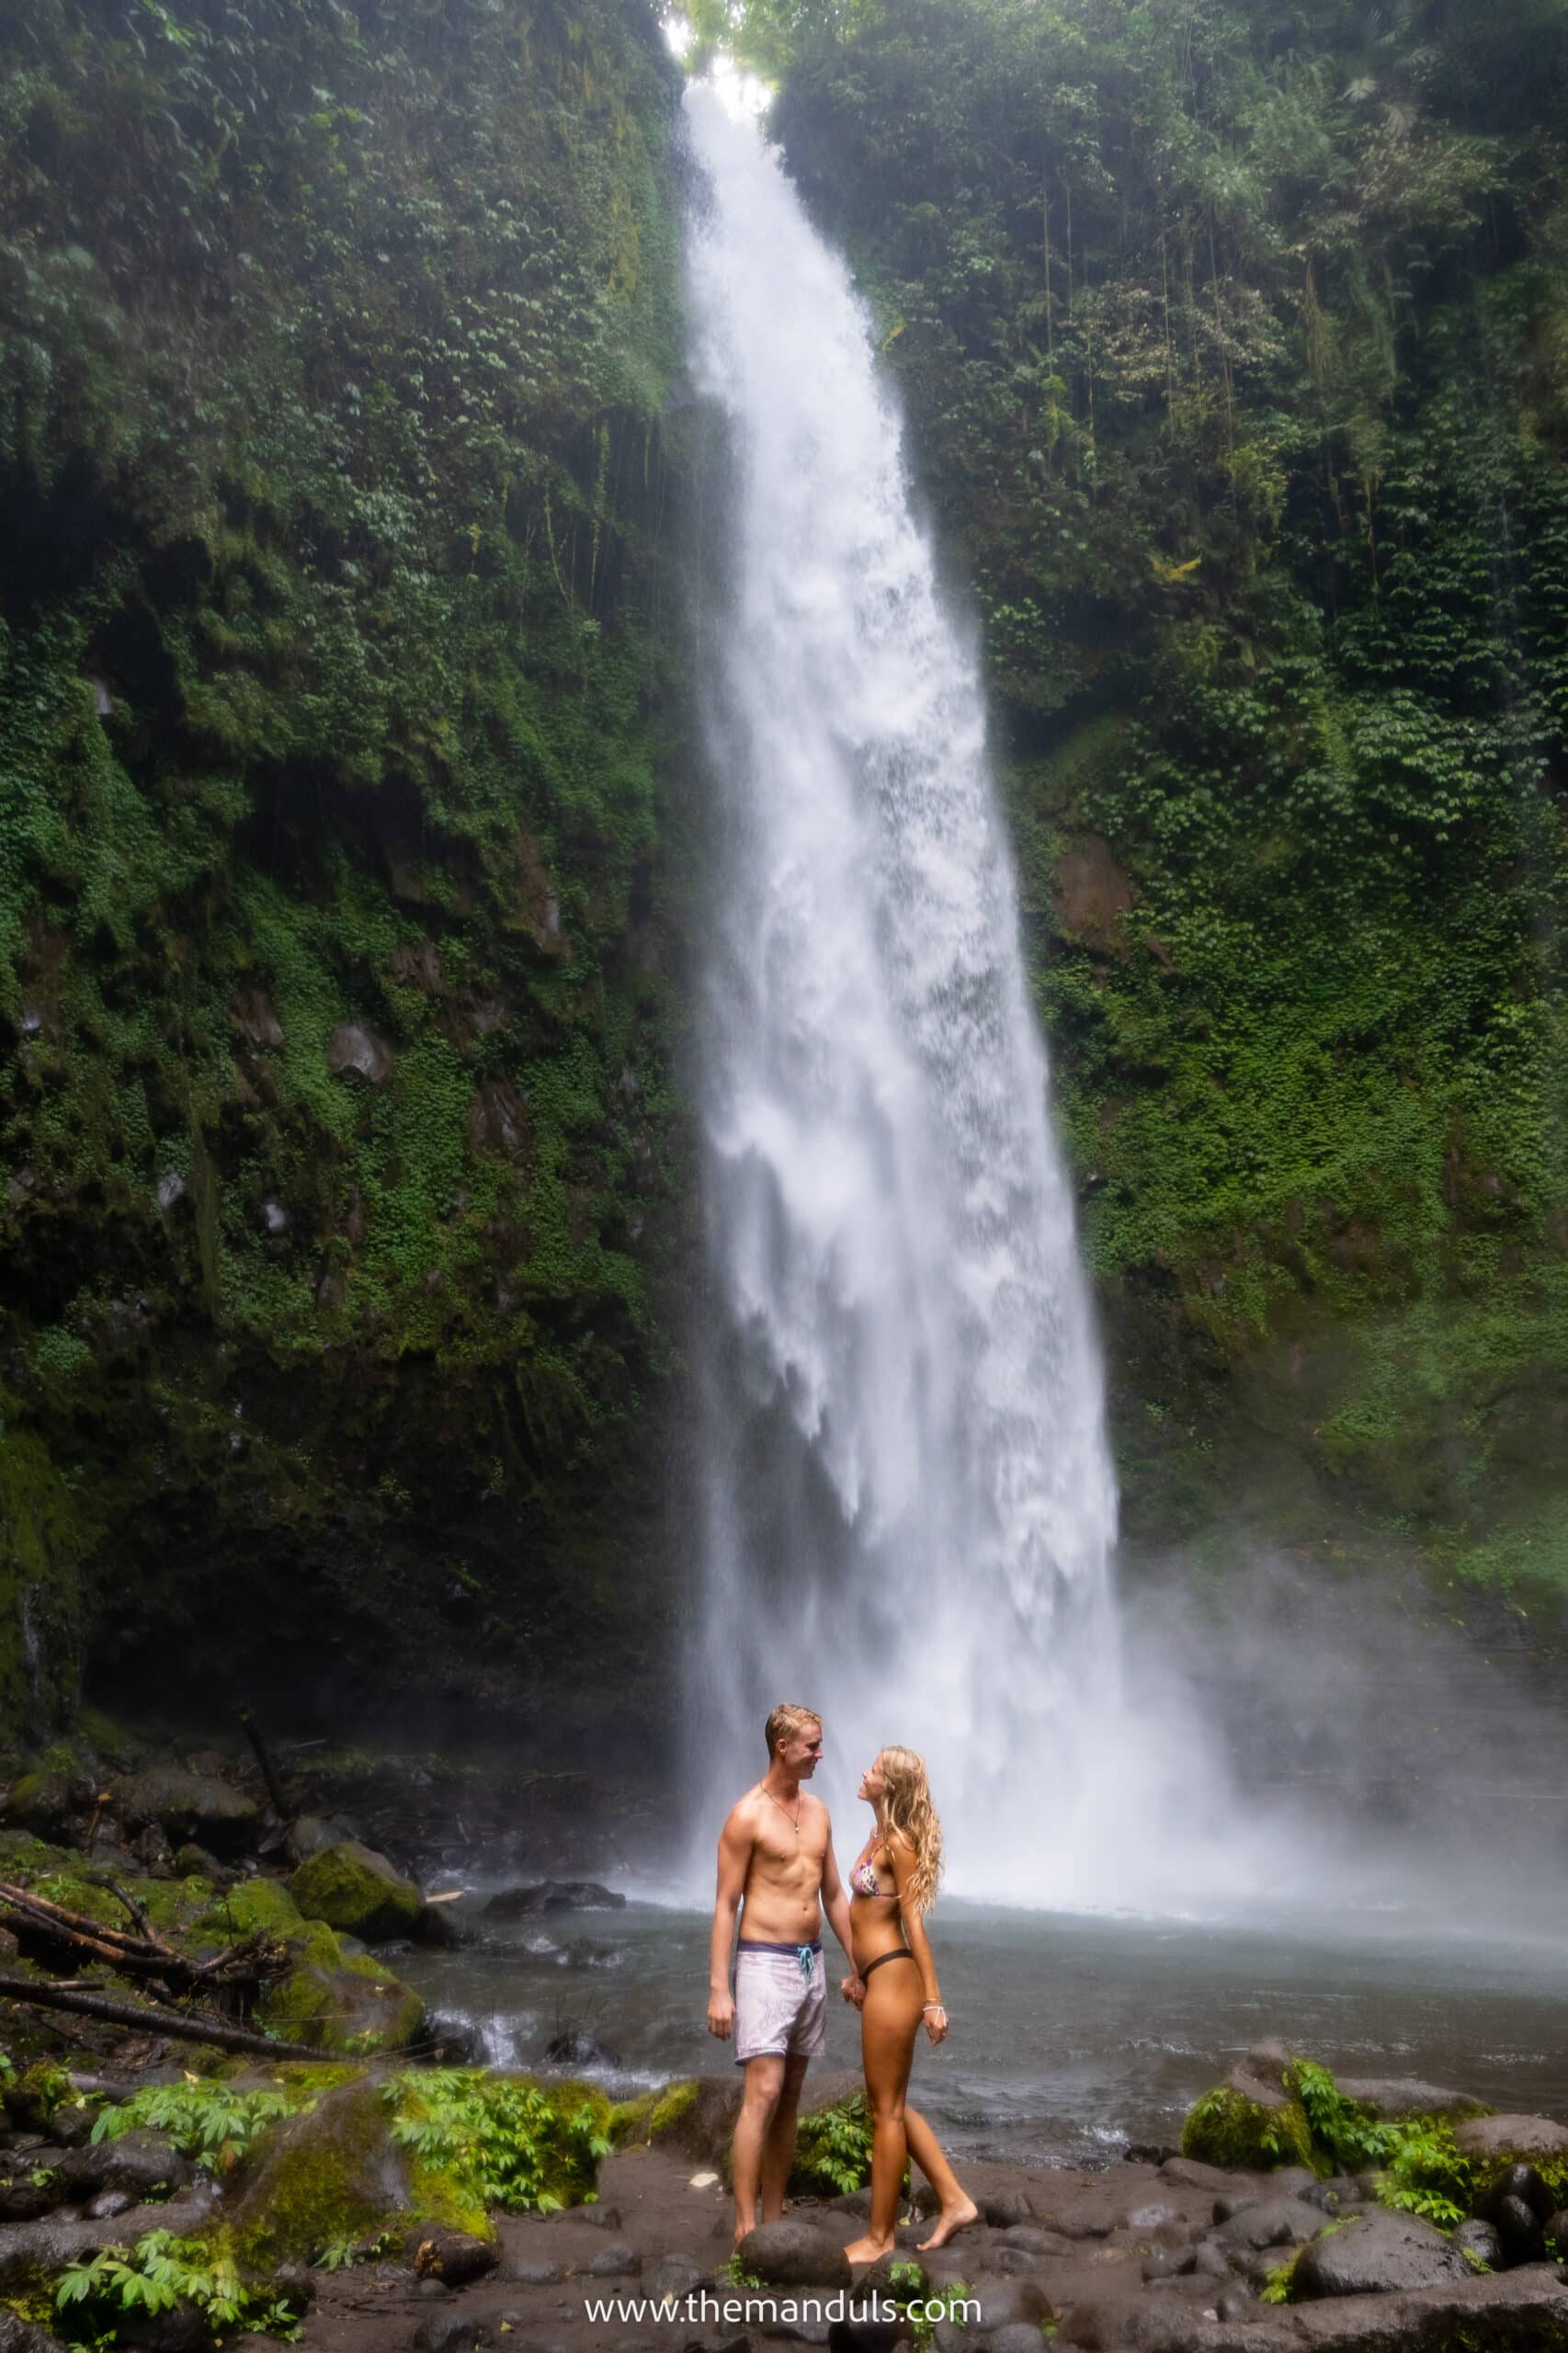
930, 2006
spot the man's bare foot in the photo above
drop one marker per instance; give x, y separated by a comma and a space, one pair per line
952, 2219
868, 2250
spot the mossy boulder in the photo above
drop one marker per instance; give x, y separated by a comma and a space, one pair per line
42, 1801
330, 1999
1249, 2124
1489, 2145
352, 1888
331, 2172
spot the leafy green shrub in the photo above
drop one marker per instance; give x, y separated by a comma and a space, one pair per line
119, 2286
510, 2143
1422, 2170
210, 2121
832, 2152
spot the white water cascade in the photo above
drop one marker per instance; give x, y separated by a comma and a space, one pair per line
908, 1501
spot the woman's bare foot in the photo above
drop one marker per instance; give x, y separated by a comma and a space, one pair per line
952, 2219
868, 2250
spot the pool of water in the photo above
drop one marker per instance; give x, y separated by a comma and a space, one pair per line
1072, 2034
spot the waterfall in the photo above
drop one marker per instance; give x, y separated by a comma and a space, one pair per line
908, 1505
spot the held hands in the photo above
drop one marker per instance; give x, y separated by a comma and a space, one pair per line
721, 2015
935, 2021
853, 1990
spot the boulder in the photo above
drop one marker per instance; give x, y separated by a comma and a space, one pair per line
140, 2161
48, 1802
1186, 2173
552, 1895
614, 2261
1249, 2123
673, 2275
312, 1832
1006, 2208
793, 2254
354, 1888
1523, 2183
1003, 2301
1406, 2096
332, 2000
1493, 2143
1480, 2241
1518, 2229
187, 1806
1378, 2255
332, 2173
20, 2335
1271, 2222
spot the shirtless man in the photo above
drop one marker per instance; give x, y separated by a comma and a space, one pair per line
775, 1858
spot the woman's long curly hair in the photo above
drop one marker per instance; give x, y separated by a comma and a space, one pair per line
907, 1808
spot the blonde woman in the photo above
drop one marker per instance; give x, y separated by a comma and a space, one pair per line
893, 1886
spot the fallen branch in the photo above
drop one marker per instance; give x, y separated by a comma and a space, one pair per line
156, 2021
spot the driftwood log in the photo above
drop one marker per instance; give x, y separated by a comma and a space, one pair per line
33, 1918
183, 2026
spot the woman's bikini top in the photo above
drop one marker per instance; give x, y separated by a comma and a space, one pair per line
863, 1881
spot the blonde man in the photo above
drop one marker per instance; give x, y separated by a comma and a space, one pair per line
776, 1866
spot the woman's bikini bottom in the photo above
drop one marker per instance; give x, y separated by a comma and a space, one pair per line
899, 1953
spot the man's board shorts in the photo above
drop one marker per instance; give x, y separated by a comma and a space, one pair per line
780, 2002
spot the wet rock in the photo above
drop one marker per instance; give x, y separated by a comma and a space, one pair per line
1479, 2239
1378, 2255
449, 2333
1144, 2219
552, 1895
1210, 2257
616, 2261
187, 1806
1235, 2304
1002, 2302
1521, 2182
673, 2275
192, 1861
1499, 2141
108, 2203
1169, 2263
1016, 2336
1187, 2173
356, 1890
140, 2161
598, 2218
20, 2335
1272, 2221
312, 1833
793, 2254
355, 1051
1556, 2232
529, 2271
153, 1852
576, 2046
1405, 2095
48, 1804
1006, 2208
1011, 2260
1518, 2231
1033, 2239
1234, 2202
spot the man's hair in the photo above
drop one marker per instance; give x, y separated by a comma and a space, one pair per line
787, 1717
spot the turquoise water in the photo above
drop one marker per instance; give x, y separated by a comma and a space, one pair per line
1072, 2034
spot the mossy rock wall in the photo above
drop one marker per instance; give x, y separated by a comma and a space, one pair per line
339, 674
1232, 358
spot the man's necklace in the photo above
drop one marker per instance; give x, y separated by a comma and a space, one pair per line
793, 1819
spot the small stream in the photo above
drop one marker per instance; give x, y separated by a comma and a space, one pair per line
1073, 2034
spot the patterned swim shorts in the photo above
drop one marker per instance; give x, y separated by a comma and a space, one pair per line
781, 2001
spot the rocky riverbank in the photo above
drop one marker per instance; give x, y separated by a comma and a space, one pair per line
227, 2118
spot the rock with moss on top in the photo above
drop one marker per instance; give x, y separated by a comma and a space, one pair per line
326, 1998
1249, 2124
357, 1891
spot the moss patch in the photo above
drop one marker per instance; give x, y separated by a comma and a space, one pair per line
356, 1890
1228, 2129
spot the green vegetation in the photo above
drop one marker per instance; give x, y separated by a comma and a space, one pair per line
121, 2287
832, 2149
1229, 341
1225, 2128
212, 2123
507, 2142
335, 693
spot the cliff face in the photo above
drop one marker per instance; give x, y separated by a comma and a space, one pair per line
338, 658
1231, 345
342, 723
